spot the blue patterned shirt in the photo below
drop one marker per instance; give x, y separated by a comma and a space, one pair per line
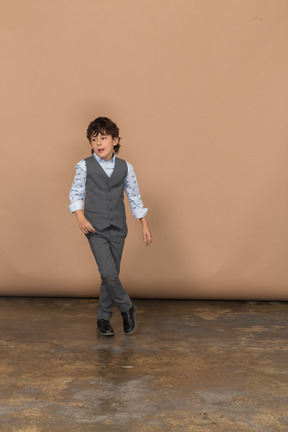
77, 192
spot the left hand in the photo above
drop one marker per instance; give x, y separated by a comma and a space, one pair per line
147, 235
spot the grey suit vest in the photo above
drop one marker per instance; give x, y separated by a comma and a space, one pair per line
104, 200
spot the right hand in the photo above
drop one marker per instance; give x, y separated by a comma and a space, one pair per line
84, 225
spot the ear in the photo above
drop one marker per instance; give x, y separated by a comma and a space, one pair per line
115, 141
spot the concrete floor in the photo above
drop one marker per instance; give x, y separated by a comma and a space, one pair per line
190, 366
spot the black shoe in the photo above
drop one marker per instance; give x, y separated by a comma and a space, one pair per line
129, 322
104, 328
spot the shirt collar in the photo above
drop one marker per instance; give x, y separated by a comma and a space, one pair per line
102, 161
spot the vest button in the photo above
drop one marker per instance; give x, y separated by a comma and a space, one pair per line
111, 208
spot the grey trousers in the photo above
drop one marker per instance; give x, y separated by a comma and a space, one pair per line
107, 246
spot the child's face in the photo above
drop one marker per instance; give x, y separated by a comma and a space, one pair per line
103, 145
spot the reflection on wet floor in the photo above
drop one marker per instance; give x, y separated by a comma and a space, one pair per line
190, 366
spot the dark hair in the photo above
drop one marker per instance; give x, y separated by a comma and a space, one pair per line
103, 125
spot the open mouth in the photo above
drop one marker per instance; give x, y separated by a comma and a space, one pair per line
100, 150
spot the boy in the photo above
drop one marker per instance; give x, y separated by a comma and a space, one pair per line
101, 180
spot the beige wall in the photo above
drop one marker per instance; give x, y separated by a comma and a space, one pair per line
199, 90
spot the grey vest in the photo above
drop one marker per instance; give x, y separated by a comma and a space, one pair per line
104, 200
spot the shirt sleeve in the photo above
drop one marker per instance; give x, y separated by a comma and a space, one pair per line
77, 191
133, 194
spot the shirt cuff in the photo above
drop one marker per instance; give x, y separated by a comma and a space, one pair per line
77, 205
139, 213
